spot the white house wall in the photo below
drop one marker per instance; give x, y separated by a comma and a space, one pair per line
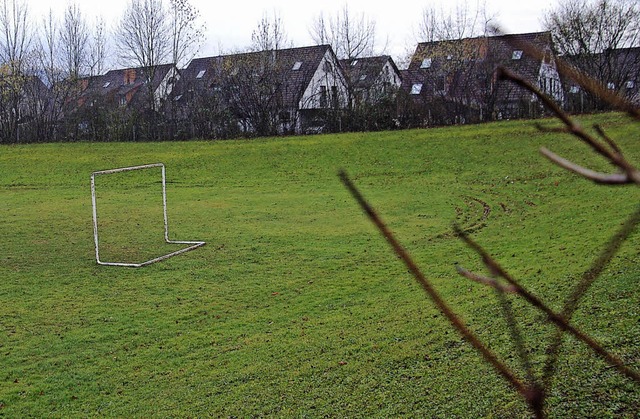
328, 78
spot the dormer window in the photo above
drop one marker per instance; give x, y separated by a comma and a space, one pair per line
107, 84
516, 55
416, 89
426, 63
201, 74
297, 66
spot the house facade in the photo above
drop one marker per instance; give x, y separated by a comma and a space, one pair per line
455, 81
371, 79
263, 93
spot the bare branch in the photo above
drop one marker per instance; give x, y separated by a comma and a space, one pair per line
588, 278
509, 289
597, 177
557, 319
531, 394
574, 128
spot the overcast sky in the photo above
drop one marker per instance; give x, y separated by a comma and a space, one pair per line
230, 22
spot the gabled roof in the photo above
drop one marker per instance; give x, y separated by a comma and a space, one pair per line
124, 83
483, 54
293, 67
363, 72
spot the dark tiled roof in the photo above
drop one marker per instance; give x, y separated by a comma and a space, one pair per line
293, 67
363, 72
474, 57
124, 83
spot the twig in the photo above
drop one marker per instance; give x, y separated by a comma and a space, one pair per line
597, 177
558, 319
588, 278
509, 289
574, 128
532, 394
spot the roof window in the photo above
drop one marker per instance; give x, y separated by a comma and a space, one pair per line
297, 66
426, 63
354, 63
631, 84
516, 55
363, 77
106, 84
416, 89
201, 74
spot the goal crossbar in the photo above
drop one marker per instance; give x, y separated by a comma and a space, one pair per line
192, 244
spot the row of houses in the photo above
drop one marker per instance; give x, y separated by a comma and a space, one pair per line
309, 90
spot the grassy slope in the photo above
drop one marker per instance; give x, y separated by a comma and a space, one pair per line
296, 306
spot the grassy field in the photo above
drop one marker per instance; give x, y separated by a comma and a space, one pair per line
296, 307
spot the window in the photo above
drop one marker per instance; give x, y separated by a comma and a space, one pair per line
177, 98
516, 55
363, 77
416, 89
631, 84
611, 85
323, 96
334, 96
426, 63
574, 89
123, 101
297, 66
353, 63
201, 74
106, 84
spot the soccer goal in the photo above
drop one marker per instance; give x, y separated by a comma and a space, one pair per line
191, 244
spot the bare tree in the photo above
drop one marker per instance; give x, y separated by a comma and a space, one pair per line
350, 36
143, 35
596, 37
74, 37
16, 61
97, 55
187, 34
270, 34
458, 22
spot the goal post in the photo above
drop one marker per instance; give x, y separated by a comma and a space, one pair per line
190, 244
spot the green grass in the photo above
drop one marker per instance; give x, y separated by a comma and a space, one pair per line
296, 306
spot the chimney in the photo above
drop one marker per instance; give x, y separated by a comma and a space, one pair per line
129, 76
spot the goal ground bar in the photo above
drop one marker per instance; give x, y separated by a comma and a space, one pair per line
192, 244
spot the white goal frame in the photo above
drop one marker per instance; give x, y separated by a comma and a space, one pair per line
192, 244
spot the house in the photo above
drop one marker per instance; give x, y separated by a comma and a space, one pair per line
454, 81
371, 78
616, 69
129, 87
262, 93
24, 102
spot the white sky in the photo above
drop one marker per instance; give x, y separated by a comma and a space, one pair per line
230, 22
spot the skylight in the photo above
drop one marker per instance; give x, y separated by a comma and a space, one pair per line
363, 77
297, 65
416, 89
106, 84
201, 74
426, 63
516, 55
354, 62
